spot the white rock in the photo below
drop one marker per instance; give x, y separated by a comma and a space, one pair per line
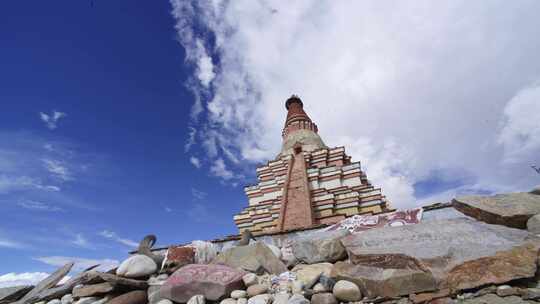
260, 299
228, 301
281, 298
242, 301
197, 299
347, 291
298, 299
205, 252
54, 301
165, 301
67, 299
275, 249
250, 279
137, 266
237, 294
87, 300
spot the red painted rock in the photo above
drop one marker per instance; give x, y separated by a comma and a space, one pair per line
178, 256
212, 281
132, 297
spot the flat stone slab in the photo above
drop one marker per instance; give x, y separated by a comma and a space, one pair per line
11, 294
512, 209
460, 253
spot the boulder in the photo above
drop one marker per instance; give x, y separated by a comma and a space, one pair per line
297, 299
11, 294
533, 224
310, 274
261, 299
287, 256
511, 209
459, 253
257, 258
324, 298
213, 281
137, 266
256, 289
92, 290
45, 284
132, 297
197, 299
347, 291
320, 246
385, 282
178, 256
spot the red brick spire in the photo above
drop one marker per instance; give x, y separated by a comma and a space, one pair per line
297, 119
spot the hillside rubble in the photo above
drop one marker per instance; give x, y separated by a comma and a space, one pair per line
487, 255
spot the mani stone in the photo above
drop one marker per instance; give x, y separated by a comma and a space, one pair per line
213, 281
178, 256
511, 209
320, 246
197, 299
132, 297
375, 281
137, 266
257, 258
460, 253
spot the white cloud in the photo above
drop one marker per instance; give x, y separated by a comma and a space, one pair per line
37, 206
80, 263
51, 120
17, 183
195, 162
7, 243
197, 194
433, 86
81, 241
220, 170
18, 279
115, 237
58, 169
168, 209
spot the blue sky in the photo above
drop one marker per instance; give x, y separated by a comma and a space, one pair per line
123, 118
115, 162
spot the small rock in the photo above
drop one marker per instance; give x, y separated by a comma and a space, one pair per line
103, 301
298, 299
165, 301
531, 294
228, 301
87, 300
327, 282
137, 266
506, 290
256, 289
297, 287
533, 224
197, 299
242, 301
249, 279
67, 299
237, 294
281, 298
323, 298
154, 295
318, 288
54, 301
347, 291
260, 299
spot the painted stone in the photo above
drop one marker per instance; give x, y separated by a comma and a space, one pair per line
178, 256
213, 281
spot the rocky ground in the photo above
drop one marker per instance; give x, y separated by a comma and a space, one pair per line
489, 255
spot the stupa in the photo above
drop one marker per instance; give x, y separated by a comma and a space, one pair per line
308, 184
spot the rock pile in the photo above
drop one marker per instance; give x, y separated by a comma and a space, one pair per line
485, 256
